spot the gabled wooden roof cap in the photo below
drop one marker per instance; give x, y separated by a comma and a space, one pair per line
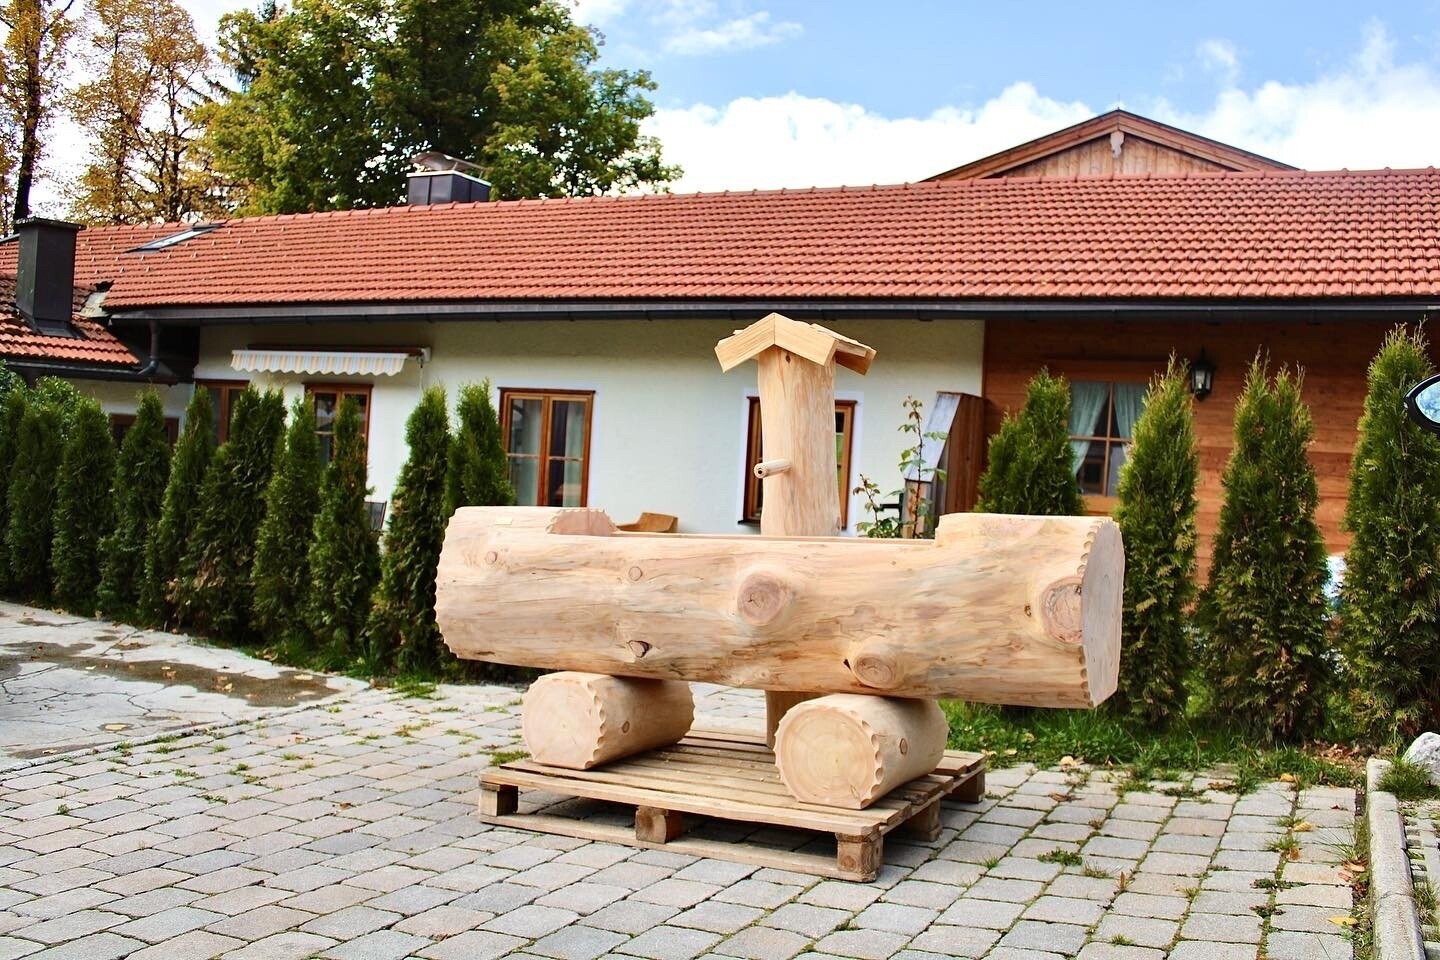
808, 340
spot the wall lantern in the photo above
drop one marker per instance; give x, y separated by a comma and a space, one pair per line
1202, 376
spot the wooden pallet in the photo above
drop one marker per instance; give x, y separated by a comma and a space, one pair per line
730, 781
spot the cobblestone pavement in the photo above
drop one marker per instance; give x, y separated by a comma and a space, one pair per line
347, 830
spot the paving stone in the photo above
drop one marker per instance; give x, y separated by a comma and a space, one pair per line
1143, 931
1147, 905
1064, 910
80, 924
989, 914
763, 943
168, 924
1112, 951
378, 945
895, 917
1293, 945
630, 916
955, 941
1209, 950
351, 922
995, 888
671, 943
677, 893
195, 945
813, 921
1061, 938
757, 893
474, 945
864, 944
577, 942
442, 921
1221, 928
260, 923
96, 946
844, 895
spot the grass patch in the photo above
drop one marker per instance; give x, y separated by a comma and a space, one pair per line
501, 757
414, 688
1425, 899
1102, 739
1407, 781
1066, 858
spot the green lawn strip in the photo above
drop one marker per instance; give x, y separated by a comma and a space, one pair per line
1099, 738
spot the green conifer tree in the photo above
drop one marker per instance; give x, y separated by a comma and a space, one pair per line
344, 552
39, 443
215, 593
140, 477
1157, 521
1031, 467
12, 411
1264, 607
479, 470
1390, 596
401, 631
281, 578
84, 513
166, 548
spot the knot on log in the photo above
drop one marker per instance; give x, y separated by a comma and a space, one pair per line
762, 597
1061, 610
878, 664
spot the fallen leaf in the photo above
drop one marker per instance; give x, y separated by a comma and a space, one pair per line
1343, 921
1287, 778
1059, 797
1304, 826
1293, 853
1011, 752
1220, 784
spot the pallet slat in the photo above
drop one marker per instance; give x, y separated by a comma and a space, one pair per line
728, 777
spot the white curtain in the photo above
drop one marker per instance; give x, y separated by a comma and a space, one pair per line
1086, 402
1129, 401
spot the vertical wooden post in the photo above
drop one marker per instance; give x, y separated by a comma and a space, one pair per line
796, 375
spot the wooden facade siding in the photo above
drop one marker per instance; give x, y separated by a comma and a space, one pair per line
1333, 355
1097, 158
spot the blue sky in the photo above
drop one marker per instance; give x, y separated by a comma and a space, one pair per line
782, 93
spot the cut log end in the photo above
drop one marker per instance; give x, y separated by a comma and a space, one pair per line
580, 720
1102, 587
849, 750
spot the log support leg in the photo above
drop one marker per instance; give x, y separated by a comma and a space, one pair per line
859, 858
498, 799
972, 790
581, 720
777, 704
658, 826
923, 826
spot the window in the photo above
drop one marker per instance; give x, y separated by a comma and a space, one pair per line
222, 398
164, 243
327, 397
547, 437
755, 488
120, 424
1102, 419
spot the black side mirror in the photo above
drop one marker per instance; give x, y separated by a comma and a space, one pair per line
1423, 403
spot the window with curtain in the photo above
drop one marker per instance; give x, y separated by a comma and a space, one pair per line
547, 438
327, 397
1102, 421
755, 489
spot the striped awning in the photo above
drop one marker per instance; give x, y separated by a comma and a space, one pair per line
383, 363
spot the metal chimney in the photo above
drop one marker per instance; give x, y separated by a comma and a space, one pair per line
45, 274
441, 178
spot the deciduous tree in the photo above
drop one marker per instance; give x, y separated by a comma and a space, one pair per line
37, 36
336, 96
1263, 610
139, 490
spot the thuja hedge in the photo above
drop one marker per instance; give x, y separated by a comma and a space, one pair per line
1031, 467
281, 577
139, 489
83, 511
165, 550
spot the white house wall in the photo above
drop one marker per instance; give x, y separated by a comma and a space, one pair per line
668, 429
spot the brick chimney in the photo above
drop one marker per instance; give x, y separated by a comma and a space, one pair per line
45, 274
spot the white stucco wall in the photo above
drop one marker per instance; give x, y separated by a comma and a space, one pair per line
117, 396
668, 432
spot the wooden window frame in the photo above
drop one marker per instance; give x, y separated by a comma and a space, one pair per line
750, 513
548, 396
1103, 504
342, 390
222, 411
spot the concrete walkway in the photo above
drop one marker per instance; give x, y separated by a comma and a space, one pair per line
67, 683
347, 830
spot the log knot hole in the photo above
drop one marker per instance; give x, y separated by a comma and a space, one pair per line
877, 664
1061, 610
761, 597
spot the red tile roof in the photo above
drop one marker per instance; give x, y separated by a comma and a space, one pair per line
95, 345
1214, 236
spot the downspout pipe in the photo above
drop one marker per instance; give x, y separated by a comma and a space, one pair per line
153, 363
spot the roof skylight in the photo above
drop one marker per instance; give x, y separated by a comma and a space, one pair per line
164, 243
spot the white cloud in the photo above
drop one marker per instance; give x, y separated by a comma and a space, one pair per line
742, 33
1371, 112
597, 12
1220, 57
